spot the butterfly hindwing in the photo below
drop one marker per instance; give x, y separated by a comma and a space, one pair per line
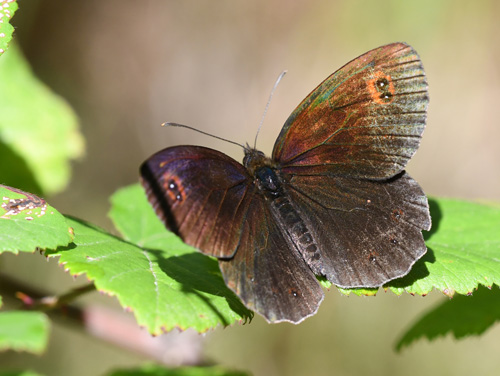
268, 273
367, 232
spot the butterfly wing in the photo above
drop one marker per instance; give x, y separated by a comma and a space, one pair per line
268, 273
342, 153
367, 232
365, 120
199, 194
209, 200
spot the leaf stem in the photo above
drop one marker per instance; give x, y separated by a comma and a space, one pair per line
48, 303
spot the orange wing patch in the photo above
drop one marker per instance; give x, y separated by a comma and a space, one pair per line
381, 88
174, 189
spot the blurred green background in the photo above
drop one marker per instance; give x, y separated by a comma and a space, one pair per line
127, 66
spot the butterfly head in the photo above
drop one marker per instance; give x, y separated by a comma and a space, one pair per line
255, 159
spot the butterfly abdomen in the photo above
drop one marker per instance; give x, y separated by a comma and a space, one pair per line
293, 225
287, 216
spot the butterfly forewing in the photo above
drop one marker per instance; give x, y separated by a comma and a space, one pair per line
365, 120
200, 194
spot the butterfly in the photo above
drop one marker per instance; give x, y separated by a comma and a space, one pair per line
333, 200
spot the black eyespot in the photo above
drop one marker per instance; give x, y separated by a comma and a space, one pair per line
382, 83
386, 96
173, 190
397, 213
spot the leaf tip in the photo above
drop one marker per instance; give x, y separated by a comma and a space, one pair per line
448, 292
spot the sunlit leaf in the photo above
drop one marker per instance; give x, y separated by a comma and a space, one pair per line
463, 250
163, 281
27, 222
7, 10
38, 130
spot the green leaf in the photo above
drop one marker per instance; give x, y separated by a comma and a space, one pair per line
463, 251
165, 283
7, 10
27, 222
154, 370
359, 292
461, 316
38, 130
135, 219
24, 331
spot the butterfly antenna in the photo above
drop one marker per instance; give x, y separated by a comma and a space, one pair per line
267, 106
169, 124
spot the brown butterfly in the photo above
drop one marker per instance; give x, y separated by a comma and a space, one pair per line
332, 201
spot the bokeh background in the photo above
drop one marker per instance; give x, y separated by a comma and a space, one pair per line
127, 66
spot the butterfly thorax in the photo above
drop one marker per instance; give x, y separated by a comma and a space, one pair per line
263, 170
266, 175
